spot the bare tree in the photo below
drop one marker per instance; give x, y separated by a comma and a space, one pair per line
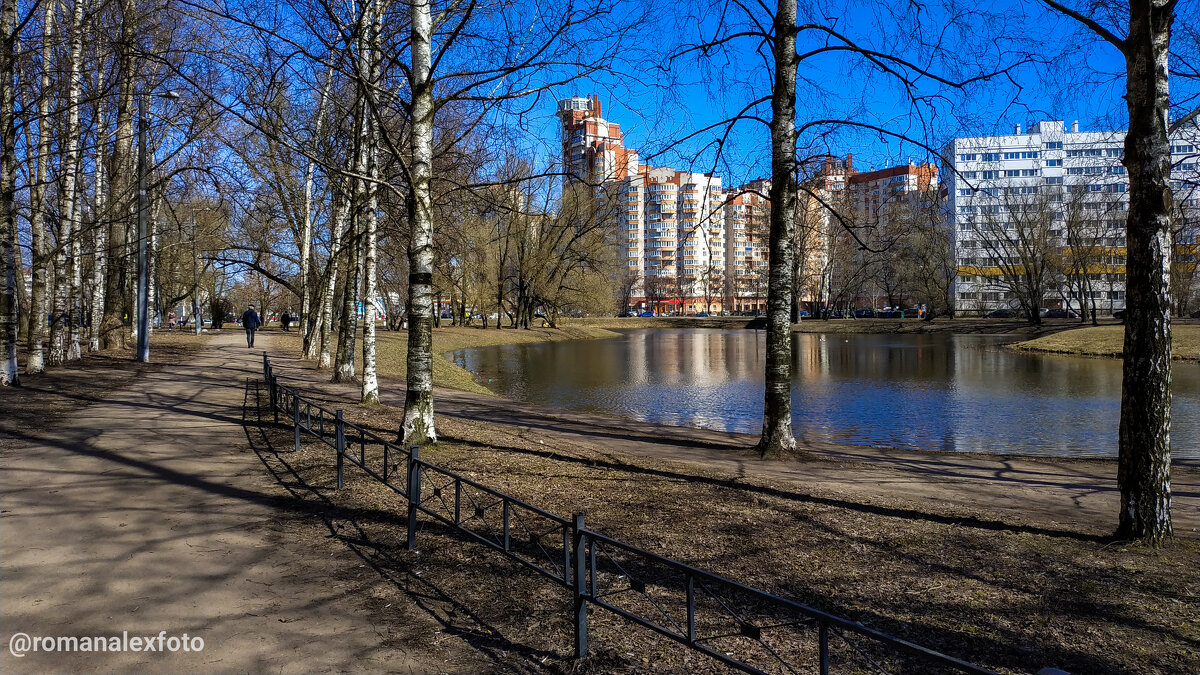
9, 260
1144, 446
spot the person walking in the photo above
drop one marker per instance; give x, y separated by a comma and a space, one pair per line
250, 322
285, 320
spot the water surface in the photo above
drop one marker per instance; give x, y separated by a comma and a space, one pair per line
940, 391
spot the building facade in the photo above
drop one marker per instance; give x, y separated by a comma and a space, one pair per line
1037, 218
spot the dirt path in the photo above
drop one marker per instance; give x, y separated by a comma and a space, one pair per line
145, 512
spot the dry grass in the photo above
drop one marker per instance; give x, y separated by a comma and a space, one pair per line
1109, 341
392, 349
1012, 598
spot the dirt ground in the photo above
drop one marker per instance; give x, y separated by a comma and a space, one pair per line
1001, 561
133, 502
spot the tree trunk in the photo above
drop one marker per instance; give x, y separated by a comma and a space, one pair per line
1144, 455
307, 323
9, 259
35, 358
343, 367
367, 211
341, 211
777, 439
100, 251
118, 294
68, 197
418, 427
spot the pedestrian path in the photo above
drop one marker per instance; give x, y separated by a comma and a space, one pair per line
146, 513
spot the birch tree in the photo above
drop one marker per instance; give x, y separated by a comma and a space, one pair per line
9, 258
1144, 442
35, 356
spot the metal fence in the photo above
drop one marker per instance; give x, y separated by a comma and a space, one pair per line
745, 628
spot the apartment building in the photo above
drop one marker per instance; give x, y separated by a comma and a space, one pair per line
1037, 217
670, 223
747, 216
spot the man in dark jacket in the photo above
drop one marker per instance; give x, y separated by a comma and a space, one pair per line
250, 322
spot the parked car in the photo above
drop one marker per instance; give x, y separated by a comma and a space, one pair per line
1000, 314
804, 312
646, 314
1061, 314
864, 313
1119, 314
702, 315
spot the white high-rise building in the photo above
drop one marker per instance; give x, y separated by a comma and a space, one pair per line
670, 225
1044, 209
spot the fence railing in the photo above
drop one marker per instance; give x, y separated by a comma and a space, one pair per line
743, 627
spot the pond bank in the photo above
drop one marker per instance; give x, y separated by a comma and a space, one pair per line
916, 326
392, 349
1108, 341
998, 560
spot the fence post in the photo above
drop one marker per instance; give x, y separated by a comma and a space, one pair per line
580, 585
414, 493
273, 384
823, 647
341, 447
296, 419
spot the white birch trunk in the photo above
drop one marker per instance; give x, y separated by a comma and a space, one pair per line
341, 214
35, 361
100, 250
1144, 441
418, 425
777, 438
152, 283
307, 324
8, 207
64, 331
370, 380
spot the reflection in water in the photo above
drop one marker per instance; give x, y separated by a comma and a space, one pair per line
948, 392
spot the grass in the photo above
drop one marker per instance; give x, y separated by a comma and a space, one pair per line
392, 349
1109, 341
1007, 598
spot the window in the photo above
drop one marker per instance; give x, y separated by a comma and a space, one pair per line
1116, 171
1012, 173
1114, 152
1054, 180
991, 192
1086, 152
991, 174
1187, 167
970, 174
1115, 187
1054, 162
1026, 173
1183, 148
1095, 188
966, 209
990, 157
964, 192
968, 157
1054, 145
1028, 154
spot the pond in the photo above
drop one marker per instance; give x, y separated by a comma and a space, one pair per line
940, 391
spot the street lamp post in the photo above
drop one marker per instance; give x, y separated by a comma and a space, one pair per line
143, 279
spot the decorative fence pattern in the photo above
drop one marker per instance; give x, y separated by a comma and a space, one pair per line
745, 628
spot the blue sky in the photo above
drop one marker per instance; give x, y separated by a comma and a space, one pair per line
1063, 75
